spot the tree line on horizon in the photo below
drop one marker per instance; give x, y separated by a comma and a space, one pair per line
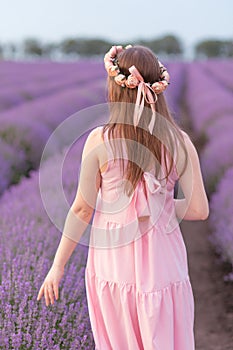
168, 45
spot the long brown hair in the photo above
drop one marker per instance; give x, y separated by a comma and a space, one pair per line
166, 132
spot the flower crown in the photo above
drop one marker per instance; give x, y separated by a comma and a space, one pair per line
131, 82
146, 91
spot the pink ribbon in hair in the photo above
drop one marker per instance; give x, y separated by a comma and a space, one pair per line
145, 92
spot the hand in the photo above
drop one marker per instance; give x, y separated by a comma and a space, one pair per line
50, 285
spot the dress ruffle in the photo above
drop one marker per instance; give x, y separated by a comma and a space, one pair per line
126, 318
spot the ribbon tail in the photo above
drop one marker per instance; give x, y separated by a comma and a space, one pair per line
138, 106
137, 115
152, 123
151, 98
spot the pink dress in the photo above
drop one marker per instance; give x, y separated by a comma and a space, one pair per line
138, 288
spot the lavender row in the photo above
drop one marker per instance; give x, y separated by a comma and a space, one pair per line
13, 163
28, 245
217, 155
221, 219
26, 128
15, 73
221, 70
44, 82
211, 110
175, 89
207, 100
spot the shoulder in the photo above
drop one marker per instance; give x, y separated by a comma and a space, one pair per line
95, 135
185, 136
94, 138
189, 144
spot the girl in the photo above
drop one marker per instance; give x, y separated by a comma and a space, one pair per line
138, 288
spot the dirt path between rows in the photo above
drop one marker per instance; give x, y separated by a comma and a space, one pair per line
213, 297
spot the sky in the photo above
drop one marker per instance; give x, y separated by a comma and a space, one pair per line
118, 21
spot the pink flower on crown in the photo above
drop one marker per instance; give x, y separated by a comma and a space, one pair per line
164, 73
131, 82
108, 62
109, 58
166, 76
113, 51
120, 79
113, 71
159, 86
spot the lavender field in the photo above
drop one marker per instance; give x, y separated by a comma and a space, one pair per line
34, 99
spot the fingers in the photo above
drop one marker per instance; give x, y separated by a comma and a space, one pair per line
56, 291
49, 298
41, 292
48, 290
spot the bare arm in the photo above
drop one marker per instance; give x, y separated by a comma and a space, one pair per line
75, 225
77, 218
81, 211
195, 205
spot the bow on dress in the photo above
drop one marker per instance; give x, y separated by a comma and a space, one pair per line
148, 205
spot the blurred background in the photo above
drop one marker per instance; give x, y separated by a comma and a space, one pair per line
55, 30
51, 67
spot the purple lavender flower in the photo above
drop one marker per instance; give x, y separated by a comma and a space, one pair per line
28, 244
221, 218
207, 100
216, 158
